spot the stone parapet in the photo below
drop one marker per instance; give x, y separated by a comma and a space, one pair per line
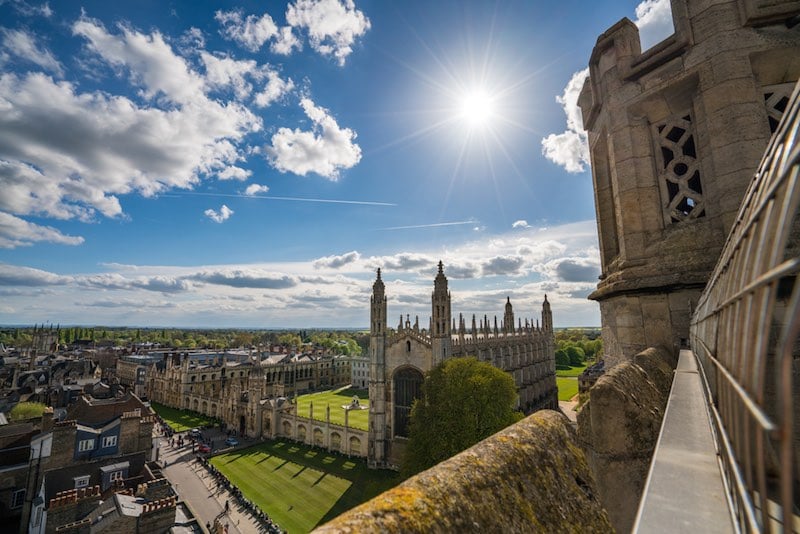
530, 477
619, 428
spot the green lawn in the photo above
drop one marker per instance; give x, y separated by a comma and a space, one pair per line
181, 420
336, 399
574, 371
301, 488
567, 387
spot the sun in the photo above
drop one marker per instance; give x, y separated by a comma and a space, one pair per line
476, 107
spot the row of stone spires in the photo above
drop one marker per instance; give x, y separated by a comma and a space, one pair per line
482, 328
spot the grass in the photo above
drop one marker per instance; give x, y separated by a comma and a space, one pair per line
574, 371
299, 487
181, 420
567, 387
336, 399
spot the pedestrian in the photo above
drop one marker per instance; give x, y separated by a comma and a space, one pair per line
227, 506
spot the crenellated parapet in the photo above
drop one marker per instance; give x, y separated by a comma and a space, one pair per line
159, 505
73, 496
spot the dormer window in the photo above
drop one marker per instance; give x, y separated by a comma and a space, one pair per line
86, 445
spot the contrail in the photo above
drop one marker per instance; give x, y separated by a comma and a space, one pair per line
454, 223
291, 199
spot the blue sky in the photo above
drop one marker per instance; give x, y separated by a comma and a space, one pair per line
251, 164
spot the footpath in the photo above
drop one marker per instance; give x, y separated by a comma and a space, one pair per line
199, 490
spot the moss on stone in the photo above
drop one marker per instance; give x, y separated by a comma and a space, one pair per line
530, 477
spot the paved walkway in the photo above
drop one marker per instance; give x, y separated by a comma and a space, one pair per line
199, 490
568, 407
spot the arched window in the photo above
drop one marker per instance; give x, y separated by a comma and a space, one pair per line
408, 346
407, 388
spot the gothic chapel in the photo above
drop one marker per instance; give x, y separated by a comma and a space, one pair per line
399, 358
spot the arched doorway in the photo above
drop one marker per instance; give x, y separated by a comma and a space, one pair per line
241, 425
407, 387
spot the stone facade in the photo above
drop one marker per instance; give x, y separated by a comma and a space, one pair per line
676, 134
399, 359
233, 388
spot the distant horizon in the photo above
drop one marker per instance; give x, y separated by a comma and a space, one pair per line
270, 328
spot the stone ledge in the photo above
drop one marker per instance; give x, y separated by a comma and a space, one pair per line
529, 477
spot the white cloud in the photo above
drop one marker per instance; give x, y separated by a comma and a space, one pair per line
14, 275
575, 268
324, 150
223, 72
570, 149
333, 25
30, 10
23, 45
220, 216
234, 173
522, 223
255, 189
654, 19
16, 232
335, 262
524, 263
67, 154
162, 284
148, 59
273, 90
285, 42
245, 278
250, 32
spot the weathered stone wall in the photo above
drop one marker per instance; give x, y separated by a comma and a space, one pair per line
619, 426
530, 477
676, 133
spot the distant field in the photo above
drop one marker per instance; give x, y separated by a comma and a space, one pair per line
336, 399
301, 488
567, 387
180, 420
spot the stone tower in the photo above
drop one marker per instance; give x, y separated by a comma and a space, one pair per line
508, 318
675, 135
547, 316
440, 318
377, 374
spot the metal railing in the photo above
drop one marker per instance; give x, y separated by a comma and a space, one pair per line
746, 335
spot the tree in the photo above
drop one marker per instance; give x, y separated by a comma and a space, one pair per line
562, 358
26, 410
463, 401
576, 355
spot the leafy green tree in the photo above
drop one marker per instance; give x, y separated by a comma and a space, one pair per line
562, 358
290, 340
463, 401
26, 410
576, 355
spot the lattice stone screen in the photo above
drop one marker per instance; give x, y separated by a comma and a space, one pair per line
679, 170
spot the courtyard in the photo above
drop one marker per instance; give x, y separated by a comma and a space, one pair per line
300, 487
181, 420
336, 399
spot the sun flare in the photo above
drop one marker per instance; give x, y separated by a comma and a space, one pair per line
476, 107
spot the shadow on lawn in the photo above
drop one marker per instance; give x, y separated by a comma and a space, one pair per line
364, 483
353, 392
